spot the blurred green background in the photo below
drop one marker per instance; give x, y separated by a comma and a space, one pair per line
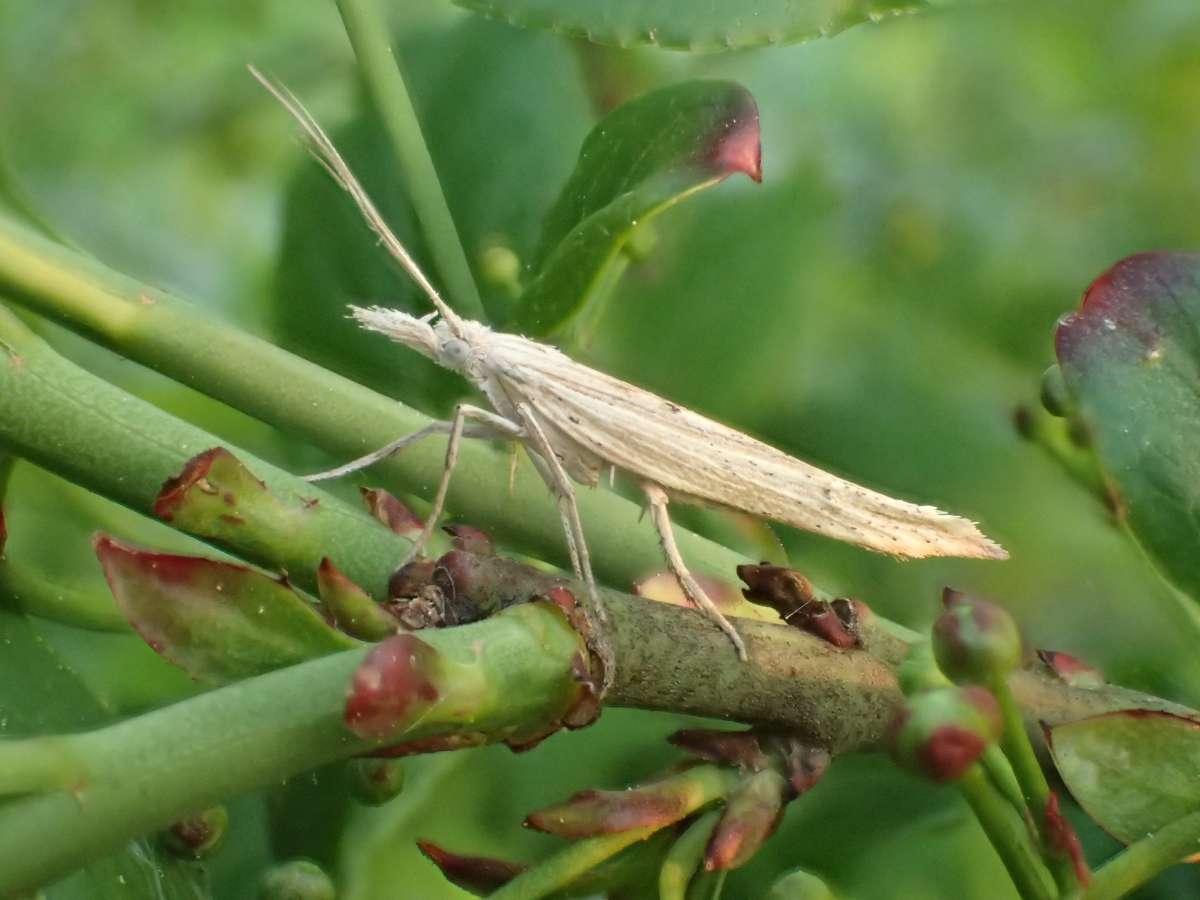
938, 190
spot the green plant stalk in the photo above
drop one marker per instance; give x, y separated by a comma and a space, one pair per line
379, 63
1018, 749
58, 416
332, 412
707, 885
34, 593
685, 857
43, 763
1144, 859
143, 773
707, 784
1008, 835
1000, 771
260, 730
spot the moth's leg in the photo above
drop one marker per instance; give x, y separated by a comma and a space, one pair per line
491, 426
657, 499
543, 469
568, 510
494, 426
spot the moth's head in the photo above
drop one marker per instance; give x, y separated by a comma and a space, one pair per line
437, 341
410, 330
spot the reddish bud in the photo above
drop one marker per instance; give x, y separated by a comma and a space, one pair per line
943, 732
471, 539
752, 813
795, 599
477, 874
198, 836
393, 685
803, 765
589, 813
975, 641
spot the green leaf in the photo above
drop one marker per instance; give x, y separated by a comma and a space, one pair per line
688, 25
640, 160
48, 696
218, 621
1132, 771
140, 872
1131, 359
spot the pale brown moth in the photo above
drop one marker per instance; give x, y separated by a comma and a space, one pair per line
577, 423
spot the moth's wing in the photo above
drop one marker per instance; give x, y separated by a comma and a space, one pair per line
697, 459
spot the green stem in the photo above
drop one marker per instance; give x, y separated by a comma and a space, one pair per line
58, 416
1036, 790
332, 412
707, 784
377, 59
1008, 835
35, 594
685, 857
49, 763
146, 772
707, 885
1141, 861
1000, 771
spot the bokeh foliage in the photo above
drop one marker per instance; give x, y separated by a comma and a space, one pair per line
938, 190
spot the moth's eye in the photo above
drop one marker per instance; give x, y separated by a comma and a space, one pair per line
456, 351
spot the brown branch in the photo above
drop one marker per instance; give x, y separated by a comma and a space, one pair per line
673, 659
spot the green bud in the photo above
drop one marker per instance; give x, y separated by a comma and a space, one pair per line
975, 641
500, 267
941, 733
641, 243
297, 879
800, 885
198, 836
375, 781
1055, 398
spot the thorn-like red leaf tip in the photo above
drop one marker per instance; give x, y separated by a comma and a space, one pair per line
478, 874
739, 148
175, 488
391, 512
1071, 669
1064, 841
392, 684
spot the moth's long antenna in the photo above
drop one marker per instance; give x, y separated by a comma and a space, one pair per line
328, 156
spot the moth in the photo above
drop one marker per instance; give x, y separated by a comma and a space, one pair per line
577, 423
